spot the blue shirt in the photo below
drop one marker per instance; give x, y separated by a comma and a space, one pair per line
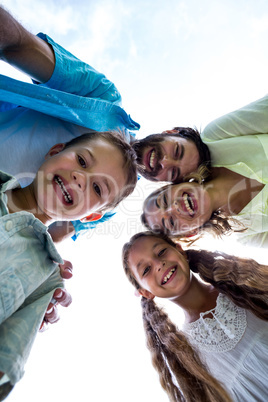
75, 100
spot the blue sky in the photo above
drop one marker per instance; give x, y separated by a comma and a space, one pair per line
175, 63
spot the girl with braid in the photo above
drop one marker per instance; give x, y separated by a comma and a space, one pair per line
221, 353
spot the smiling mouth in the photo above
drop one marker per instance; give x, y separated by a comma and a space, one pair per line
63, 189
189, 203
168, 276
151, 159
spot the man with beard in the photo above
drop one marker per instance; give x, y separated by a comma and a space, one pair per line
237, 141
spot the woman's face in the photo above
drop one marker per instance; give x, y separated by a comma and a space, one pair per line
160, 268
178, 209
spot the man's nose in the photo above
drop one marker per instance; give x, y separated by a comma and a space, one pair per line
79, 179
165, 162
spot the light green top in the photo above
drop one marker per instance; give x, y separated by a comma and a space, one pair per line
238, 141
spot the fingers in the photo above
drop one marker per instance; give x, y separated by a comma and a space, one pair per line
66, 269
60, 296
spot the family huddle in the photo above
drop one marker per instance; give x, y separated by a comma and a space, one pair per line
69, 155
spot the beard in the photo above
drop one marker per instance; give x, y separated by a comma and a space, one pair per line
140, 149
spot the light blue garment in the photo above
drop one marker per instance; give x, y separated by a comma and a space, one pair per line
29, 275
76, 93
76, 99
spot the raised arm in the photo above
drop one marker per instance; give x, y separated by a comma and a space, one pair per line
23, 50
47, 62
250, 119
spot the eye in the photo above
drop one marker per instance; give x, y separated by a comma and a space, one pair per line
146, 270
97, 189
81, 161
165, 200
171, 222
161, 252
176, 152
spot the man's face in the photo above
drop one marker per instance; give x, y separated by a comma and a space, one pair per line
169, 160
79, 180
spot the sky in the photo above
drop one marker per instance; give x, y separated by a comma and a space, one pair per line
176, 63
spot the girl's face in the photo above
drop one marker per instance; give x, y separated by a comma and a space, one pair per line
79, 180
178, 209
161, 269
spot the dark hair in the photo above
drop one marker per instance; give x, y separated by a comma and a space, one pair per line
115, 138
188, 133
244, 281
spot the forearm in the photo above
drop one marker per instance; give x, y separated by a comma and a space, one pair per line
60, 231
23, 50
249, 120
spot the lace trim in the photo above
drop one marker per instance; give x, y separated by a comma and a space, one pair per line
222, 332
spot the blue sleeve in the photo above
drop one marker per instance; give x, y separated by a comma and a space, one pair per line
76, 77
82, 227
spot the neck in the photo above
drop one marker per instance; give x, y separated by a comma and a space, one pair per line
199, 298
230, 192
23, 199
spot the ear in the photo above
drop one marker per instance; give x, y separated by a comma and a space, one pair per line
146, 294
55, 150
192, 233
173, 131
180, 249
95, 216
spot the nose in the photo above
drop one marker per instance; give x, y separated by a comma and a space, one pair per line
79, 179
166, 162
161, 264
170, 209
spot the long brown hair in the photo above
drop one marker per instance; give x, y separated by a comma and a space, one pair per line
244, 281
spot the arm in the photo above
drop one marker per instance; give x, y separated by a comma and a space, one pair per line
47, 62
250, 119
23, 50
60, 231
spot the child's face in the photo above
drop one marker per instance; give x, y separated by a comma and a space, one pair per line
79, 180
159, 268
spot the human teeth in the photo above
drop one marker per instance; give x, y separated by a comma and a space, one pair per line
65, 193
188, 203
168, 275
151, 161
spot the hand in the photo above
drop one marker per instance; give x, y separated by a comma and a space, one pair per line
60, 296
66, 269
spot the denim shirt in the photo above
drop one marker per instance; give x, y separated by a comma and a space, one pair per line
29, 275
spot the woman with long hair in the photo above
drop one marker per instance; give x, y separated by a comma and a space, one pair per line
222, 352
224, 202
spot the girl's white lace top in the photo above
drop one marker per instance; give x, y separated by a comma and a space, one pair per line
234, 345
223, 331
